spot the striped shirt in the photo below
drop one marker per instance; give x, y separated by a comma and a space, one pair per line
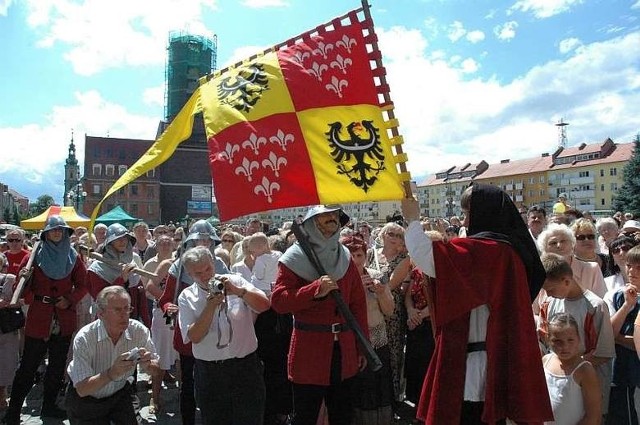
94, 352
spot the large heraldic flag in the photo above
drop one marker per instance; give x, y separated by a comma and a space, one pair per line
306, 122
300, 125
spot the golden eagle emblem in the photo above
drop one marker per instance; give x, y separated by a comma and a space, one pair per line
363, 144
242, 91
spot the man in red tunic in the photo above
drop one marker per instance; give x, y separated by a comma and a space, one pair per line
487, 365
323, 356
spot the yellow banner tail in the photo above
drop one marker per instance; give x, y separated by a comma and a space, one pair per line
177, 132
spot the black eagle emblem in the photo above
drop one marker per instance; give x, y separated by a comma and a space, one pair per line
363, 144
242, 91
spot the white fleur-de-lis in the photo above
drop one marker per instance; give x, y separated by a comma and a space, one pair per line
274, 162
341, 63
317, 69
247, 168
346, 42
300, 55
229, 151
266, 188
323, 49
282, 139
254, 142
337, 85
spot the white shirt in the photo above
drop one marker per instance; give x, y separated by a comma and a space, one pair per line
420, 249
94, 352
265, 271
237, 333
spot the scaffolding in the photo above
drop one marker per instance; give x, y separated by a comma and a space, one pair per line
189, 57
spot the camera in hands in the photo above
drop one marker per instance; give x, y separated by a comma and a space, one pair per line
134, 354
216, 285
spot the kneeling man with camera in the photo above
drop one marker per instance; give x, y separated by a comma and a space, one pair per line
216, 315
105, 354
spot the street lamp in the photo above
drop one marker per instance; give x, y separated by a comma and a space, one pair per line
76, 197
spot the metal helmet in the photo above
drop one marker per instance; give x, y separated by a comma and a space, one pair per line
56, 222
202, 229
321, 209
117, 231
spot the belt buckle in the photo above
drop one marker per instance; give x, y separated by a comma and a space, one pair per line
336, 328
47, 299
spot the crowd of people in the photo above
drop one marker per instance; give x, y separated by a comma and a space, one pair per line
499, 315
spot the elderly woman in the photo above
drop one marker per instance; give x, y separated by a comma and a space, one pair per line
57, 284
392, 261
585, 249
607, 230
559, 239
9, 342
618, 249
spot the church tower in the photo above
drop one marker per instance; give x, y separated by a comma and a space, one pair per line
71, 173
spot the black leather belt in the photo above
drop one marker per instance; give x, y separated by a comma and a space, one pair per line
232, 360
333, 328
472, 347
45, 299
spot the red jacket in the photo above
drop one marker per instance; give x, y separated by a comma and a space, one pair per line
163, 302
40, 315
470, 273
310, 352
96, 284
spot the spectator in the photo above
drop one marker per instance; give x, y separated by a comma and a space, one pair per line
565, 295
100, 232
16, 252
607, 230
144, 246
617, 254
220, 326
561, 206
100, 391
536, 220
57, 284
585, 249
10, 341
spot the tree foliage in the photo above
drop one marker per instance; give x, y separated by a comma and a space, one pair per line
628, 197
42, 203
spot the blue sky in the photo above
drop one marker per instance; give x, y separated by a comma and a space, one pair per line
471, 80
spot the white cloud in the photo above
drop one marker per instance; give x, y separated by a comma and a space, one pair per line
475, 36
544, 8
38, 151
154, 96
259, 4
456, 31
469, 66
506, 31
4, 6
568, 44
636, 5
449, 118
116, 33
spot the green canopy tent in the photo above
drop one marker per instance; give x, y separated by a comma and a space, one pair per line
117, 215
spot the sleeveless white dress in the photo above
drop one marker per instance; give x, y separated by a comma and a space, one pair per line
566, 397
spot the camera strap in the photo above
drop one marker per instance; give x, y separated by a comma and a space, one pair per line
224, 309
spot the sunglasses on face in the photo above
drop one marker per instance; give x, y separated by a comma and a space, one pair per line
228, 240
583, 237
620, 249
14, 240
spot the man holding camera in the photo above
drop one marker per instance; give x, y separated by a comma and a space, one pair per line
105, 354
216, 315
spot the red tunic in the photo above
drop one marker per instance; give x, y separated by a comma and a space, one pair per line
72, 287
470, 273
14, 261
309, 359
163, 302
96, 284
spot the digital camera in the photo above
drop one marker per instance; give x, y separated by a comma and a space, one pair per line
216, 285
134, 354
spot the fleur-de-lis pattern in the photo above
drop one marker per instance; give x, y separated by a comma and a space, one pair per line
261, 169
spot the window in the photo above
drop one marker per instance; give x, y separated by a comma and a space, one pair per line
134, 189
122, 169
613, 171
96, 189
121, 191
602, 187
602, 175
532, 180
149, 209
151, 173
583, 174
96, 169
541, 179
134, 209
602, 201
614, 186
109, 170
151, 193
122, 155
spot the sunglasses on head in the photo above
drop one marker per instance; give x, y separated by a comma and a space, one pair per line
583, 237
620, 249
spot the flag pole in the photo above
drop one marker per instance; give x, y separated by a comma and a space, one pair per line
388, 103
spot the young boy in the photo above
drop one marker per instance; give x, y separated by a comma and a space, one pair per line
265, 270
564, 295
624, 306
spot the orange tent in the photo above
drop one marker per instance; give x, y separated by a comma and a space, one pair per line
69, 215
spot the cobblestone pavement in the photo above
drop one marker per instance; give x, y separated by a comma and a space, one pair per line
168, 416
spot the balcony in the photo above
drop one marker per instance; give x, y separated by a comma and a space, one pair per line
581, 180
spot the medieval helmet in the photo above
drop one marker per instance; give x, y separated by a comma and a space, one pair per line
56, 222
321, 209
202, 229
117, 231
